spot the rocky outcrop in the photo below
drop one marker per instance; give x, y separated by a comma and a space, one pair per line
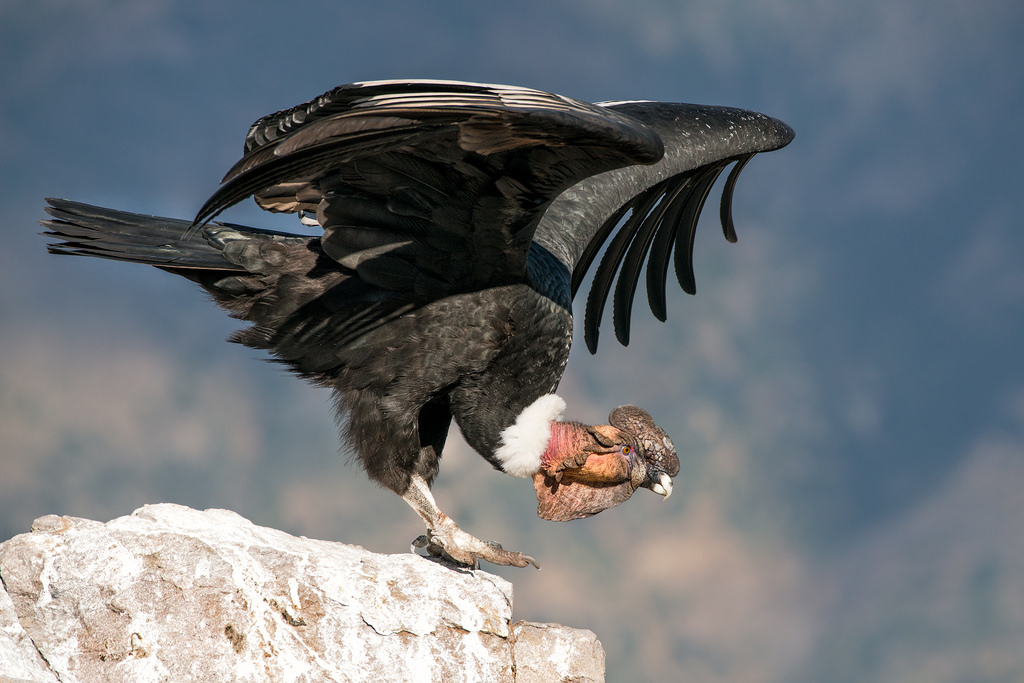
174, 594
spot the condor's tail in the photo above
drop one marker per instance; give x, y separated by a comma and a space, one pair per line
261, 276
85, 230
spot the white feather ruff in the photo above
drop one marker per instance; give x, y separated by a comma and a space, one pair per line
524, 442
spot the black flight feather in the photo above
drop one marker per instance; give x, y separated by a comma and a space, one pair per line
661, 248
609, 265
688, 223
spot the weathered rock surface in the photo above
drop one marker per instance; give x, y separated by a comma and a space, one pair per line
174, 594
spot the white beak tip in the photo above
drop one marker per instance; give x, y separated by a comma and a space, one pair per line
663, 487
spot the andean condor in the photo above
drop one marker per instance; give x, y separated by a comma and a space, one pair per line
458, 220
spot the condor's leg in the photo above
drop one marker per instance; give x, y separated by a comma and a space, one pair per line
445, 539
395, 450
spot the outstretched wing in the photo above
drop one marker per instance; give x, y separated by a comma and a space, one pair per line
429, 188
663, 202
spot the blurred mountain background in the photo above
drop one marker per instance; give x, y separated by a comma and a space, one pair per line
846, 389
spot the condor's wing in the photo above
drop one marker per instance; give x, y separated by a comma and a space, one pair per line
663, 202
427, 188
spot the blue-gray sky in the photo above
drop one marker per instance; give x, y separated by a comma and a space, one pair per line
846, 389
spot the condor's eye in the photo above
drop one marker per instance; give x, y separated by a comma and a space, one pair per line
626, 450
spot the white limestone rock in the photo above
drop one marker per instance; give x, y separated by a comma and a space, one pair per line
552, 652
174, 594
19, 659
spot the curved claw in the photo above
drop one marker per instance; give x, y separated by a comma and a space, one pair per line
434, 549
515, 559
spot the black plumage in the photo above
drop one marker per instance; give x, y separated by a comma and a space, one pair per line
458, 223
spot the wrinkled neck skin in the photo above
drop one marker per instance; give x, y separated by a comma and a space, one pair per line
567, 439
583, 474
572, 443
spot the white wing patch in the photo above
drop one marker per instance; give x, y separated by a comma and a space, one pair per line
615, 103
524, 442
511, 96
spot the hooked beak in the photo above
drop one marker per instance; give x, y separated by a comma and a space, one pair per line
663, 487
